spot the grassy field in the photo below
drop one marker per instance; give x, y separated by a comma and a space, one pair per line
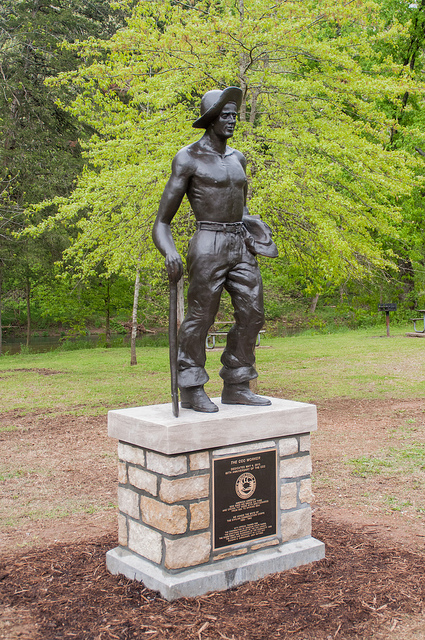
307, 367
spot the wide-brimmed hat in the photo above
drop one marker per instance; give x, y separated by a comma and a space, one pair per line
213, 102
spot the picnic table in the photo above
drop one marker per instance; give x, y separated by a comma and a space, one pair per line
415, 320
222, 329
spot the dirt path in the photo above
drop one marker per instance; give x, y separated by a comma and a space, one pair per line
59, 517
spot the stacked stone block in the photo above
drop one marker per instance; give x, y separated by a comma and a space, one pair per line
165, 502
164, 506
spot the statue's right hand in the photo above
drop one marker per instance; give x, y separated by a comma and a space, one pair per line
174, 265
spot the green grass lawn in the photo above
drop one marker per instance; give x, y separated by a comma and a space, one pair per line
354, 364
307, 367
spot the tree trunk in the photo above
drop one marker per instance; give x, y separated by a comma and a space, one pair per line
180, 302
108, 314
415, 45
242, 68
407, 277
314, 302
28, 296
254, 98
133, 359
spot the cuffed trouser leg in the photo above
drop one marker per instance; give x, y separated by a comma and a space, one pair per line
245, 287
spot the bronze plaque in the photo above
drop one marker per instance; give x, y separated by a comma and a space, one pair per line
244, 498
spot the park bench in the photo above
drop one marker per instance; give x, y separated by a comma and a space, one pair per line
219, 329
415, 320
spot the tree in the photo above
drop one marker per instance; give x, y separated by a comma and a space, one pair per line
40, 154
320, 168
406, 21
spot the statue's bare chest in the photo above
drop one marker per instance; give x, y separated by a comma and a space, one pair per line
217, 172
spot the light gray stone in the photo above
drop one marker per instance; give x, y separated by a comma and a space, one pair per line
122, 472
288, 495
128, 502
188, 551
135, 455
198, 461
305, 443
166, 465
156, 428
306, 494
145, 541
143, 479
288, 447
191, 488
245, 448
168, 518
296, 524
199, 515
295, 467
122, 530
219, 576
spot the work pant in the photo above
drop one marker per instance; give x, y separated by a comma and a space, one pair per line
220, 260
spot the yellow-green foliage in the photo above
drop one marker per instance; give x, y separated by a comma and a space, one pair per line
320, 168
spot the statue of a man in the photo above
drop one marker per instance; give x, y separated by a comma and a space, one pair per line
221, 255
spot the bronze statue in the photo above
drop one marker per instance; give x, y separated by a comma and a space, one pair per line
221, 255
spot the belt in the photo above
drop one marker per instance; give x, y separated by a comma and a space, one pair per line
229, 227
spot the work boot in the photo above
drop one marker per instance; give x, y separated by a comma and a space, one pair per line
241, 394
195, 398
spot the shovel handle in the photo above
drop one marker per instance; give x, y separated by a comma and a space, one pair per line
172, 338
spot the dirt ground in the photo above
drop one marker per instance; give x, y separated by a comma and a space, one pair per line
58, 515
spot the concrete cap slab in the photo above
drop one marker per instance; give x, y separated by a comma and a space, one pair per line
154, 427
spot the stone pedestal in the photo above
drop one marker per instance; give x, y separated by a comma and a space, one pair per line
209, 501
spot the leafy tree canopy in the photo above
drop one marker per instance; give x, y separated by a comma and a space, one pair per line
312, 126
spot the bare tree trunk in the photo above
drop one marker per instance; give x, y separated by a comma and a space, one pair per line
254, 99
180, 302
133, 358
314, 302
28, 296
108, 314
407, 277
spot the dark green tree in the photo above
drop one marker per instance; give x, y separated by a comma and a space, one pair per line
40, 154
402, 44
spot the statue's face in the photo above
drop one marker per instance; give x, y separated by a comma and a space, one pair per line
224, 125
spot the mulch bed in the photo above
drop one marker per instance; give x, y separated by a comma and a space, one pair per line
361, 585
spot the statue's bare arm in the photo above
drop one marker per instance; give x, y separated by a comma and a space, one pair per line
171, 199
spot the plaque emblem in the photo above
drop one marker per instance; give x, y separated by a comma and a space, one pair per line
245, 485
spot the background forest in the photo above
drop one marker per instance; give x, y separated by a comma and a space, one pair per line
97, 96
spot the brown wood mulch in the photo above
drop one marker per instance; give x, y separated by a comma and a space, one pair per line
361, 585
